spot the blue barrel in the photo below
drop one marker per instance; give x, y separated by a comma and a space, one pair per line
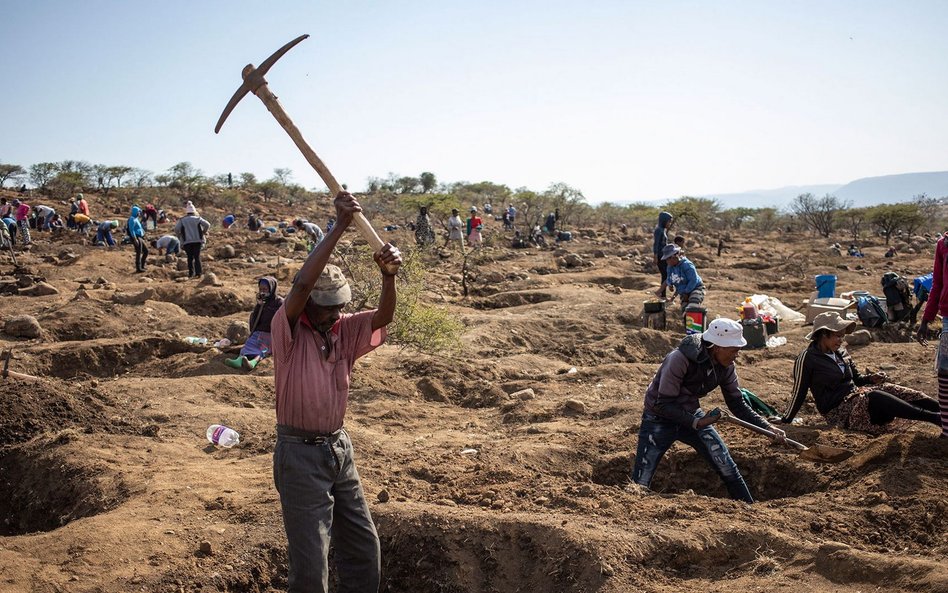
825, 286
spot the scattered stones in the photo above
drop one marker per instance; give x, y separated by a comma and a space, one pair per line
859, 338
237, 332
574, 261
39, 289
182, 265
524, 394
210, 279
122, 298
383, 496
576, 406
23, 326
226, 252
205, 547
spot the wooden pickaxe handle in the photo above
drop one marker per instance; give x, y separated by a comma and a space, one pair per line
16, 375
273, 105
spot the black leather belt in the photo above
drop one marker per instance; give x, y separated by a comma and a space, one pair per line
296, 435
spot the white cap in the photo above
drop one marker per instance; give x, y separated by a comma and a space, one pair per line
726, 333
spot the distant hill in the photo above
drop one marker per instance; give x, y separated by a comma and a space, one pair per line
780, 197
894, 188
867, 191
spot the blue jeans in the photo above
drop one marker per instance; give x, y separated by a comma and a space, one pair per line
658, 434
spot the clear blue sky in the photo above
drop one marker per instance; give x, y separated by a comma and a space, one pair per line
624, 100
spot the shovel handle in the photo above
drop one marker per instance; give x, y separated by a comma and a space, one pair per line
728, 418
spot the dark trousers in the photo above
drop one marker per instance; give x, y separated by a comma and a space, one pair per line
322, 500
194, 259
141, 253
657, 435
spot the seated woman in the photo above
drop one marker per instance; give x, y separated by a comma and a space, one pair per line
844, 396
257, 346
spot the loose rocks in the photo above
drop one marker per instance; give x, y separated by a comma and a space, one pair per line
859, 338
238, 332
23, 326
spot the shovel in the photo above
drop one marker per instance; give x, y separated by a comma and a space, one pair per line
817, 453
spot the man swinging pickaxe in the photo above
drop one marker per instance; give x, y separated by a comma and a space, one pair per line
255, 83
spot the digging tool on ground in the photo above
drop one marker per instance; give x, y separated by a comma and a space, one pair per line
817, 453
255, 83
6, 372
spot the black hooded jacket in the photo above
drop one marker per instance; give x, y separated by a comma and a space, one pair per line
263, 313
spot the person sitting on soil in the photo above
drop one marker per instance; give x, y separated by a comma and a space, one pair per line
892, 252
258, 345
103, 235
136, 235
854, 251
682, 277
519, 242
845, 397
253, 222
191, 230
315, 347
169, 244
672, 412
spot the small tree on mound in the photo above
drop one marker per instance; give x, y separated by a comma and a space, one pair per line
418, 325
819, 214
892, 218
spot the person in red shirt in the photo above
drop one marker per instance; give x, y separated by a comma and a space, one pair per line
938, 305
474, 226
315, 346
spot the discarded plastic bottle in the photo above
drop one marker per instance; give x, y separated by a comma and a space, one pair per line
221, 435
196, 341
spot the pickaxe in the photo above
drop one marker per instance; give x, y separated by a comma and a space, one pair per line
6, 372
255, 83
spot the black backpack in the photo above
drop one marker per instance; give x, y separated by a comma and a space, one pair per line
870, 311
898, 295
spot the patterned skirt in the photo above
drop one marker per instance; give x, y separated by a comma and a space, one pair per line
853, 412
258, 344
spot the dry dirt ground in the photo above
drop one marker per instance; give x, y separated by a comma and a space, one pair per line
107, 483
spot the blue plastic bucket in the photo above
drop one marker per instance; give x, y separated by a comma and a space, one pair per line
825, 286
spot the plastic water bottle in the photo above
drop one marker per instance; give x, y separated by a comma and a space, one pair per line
221, 435
196, 341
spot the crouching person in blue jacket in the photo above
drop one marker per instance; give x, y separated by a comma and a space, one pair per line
701, 363
682, 277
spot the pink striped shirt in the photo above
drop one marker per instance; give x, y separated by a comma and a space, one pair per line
312, 391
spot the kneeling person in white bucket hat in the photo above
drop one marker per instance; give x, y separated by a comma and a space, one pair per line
701, 363
314, 347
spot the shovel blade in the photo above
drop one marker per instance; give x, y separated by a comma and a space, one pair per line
825, 454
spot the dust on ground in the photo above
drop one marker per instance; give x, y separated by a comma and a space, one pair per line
107, 483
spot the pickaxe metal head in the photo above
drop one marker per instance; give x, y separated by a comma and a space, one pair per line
253, 79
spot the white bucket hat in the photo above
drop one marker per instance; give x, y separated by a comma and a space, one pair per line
726, 333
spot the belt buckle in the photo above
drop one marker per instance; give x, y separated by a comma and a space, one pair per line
315, 441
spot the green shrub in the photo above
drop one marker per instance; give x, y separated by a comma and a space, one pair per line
418, 325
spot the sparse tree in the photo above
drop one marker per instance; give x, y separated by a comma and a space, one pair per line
855, 221
566, 198
407, 185
819, 214
117, 172
185, 178
42, 173
248, 180
428, 182
891, 218
692, 213
11, 172
140, 177
282, 175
